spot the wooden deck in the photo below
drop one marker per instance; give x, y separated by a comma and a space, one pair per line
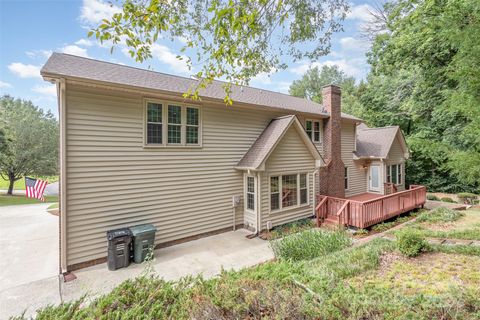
367, 209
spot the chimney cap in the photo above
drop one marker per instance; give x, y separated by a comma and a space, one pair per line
332, 85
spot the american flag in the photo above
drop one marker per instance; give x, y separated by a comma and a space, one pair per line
34, 188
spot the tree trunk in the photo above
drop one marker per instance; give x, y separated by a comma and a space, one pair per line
11, 179
10, 187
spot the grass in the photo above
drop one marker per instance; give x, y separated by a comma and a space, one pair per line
21, 199
53, 206
449, 224
309, 244
20, 184
289, 228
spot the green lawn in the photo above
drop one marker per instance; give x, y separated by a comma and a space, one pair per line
20, 184
21, 199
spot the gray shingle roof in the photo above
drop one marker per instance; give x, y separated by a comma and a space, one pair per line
374, 142
69, 66
265, 142
268, 139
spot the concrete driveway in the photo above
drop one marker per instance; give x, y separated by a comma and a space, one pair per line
206, 256
28, 247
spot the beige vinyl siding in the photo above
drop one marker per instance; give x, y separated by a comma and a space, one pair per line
112, 181
357, 182
290, 156
396, 156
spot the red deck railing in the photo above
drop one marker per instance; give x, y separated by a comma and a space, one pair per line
362, 214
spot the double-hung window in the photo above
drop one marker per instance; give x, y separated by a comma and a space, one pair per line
394, 173
288, 191
250, 193
312, 127
154, 123
172, 124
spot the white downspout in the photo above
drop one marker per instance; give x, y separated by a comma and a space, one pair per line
63, 169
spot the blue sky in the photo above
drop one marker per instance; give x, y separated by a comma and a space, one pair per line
62, 26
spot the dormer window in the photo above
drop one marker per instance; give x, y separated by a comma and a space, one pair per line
313, 129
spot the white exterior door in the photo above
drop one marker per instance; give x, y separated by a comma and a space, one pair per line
374, 178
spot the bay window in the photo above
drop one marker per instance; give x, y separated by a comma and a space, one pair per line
288, 191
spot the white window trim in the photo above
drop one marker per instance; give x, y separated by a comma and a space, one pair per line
298, 205
399, 173
312, 135
347, 178
255, 192
183, 131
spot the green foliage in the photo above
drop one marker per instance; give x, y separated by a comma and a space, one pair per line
361, 232
292, 227
425, 79
13, 200
447, 199
309, 244
311, 84
467, 198
234, 40
411, 243
31, 140
383, 226
432, 197
440, 214
458, 249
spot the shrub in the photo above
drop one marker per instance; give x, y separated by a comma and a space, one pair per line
467, 198
383, 226
448, 199
361, 232
411, 243
309, 244
432, 197
440, 215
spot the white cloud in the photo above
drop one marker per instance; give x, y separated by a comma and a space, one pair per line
39, 53
84, 42
350, 43
262, 78
167, 56
360, 12
5, 84
48, 90
24, 70
75, 50
93, 12
353, 67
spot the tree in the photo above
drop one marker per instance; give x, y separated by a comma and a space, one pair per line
425, 78
230, 39
31, 141
311, 84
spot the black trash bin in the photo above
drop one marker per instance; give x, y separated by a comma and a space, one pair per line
119, 243
143, 241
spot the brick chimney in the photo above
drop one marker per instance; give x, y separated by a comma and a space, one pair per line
332, 175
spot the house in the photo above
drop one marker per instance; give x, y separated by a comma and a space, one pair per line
133, 151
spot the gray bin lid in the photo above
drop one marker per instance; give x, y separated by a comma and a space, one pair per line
142, 229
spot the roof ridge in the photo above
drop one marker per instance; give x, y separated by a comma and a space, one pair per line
182, 77
379, 128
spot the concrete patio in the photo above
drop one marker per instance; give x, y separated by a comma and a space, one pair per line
206, 256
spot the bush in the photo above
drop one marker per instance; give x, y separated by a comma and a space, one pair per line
448, 199
383, 226
467, 198
440, 215
411, 243
309, 244
432, 197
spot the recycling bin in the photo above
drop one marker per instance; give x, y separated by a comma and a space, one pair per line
119, 243
143, 241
